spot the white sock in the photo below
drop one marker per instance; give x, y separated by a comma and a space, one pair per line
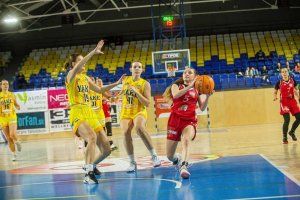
131, 158
89, 167
152, 152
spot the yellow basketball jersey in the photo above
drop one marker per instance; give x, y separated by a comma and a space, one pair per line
78, 90
96, 100
7, 103
130, 103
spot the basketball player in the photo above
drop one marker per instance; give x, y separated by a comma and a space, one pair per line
106, 110
82, 118
8, 116
183, 119
288, 104
136, 97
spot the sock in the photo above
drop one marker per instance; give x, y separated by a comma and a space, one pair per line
152, 152
131, 158
175, 160
184, 163
89, 167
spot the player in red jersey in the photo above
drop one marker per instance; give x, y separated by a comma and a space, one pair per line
106, 110
183, 119
288, 104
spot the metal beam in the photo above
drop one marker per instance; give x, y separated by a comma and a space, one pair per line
95, 11
111, 9
116, 6
77, 10
35, 6
29, 2
96, 3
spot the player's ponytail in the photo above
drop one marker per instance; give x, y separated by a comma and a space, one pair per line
168, 93
72, 59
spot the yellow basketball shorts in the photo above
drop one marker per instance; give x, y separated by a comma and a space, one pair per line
100, 116
84, 113
8, 119
133, 116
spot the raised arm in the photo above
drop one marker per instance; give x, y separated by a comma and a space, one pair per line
203, 103
78, 66
103, 89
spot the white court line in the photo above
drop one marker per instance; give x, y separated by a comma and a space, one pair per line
270, 197
177, 183
281, 170
63, 197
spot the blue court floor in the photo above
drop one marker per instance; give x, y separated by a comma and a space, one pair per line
239, 177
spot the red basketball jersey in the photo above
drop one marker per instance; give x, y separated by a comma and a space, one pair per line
287, 88
185, 106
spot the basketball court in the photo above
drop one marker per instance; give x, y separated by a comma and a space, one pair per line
221, 168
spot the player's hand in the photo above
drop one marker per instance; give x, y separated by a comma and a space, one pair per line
133, 89
275, 98
99, 47
212, 92
121, 79
193, 82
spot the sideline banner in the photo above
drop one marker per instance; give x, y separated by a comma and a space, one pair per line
32, 123
57, 99
59, 120
31, 101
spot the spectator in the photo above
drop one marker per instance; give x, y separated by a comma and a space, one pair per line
264, 74
278, 67
21, 81
297, 68
240, 74
253, 72
260, 55
247, 72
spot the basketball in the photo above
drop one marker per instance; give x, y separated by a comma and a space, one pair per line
204, 84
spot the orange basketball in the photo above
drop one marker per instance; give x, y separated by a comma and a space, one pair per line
204, 84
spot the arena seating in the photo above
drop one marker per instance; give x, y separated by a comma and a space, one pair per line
221, 56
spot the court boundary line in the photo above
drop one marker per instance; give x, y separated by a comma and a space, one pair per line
178, 184
291, 177
270, 197
62, 197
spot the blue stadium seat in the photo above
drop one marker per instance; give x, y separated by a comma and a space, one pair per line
217, 81
249, 82
153, 84
257, 81
169, 81
274, 79
161, 85
232, 81
241, 82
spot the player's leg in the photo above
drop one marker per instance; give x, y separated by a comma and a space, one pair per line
285, 127
103, 145
89, 135
140, 126
10, 141
109, 133
187, 136
171, 149
295, 126
13, 135
126, 128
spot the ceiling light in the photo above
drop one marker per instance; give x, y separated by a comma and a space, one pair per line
10, 20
